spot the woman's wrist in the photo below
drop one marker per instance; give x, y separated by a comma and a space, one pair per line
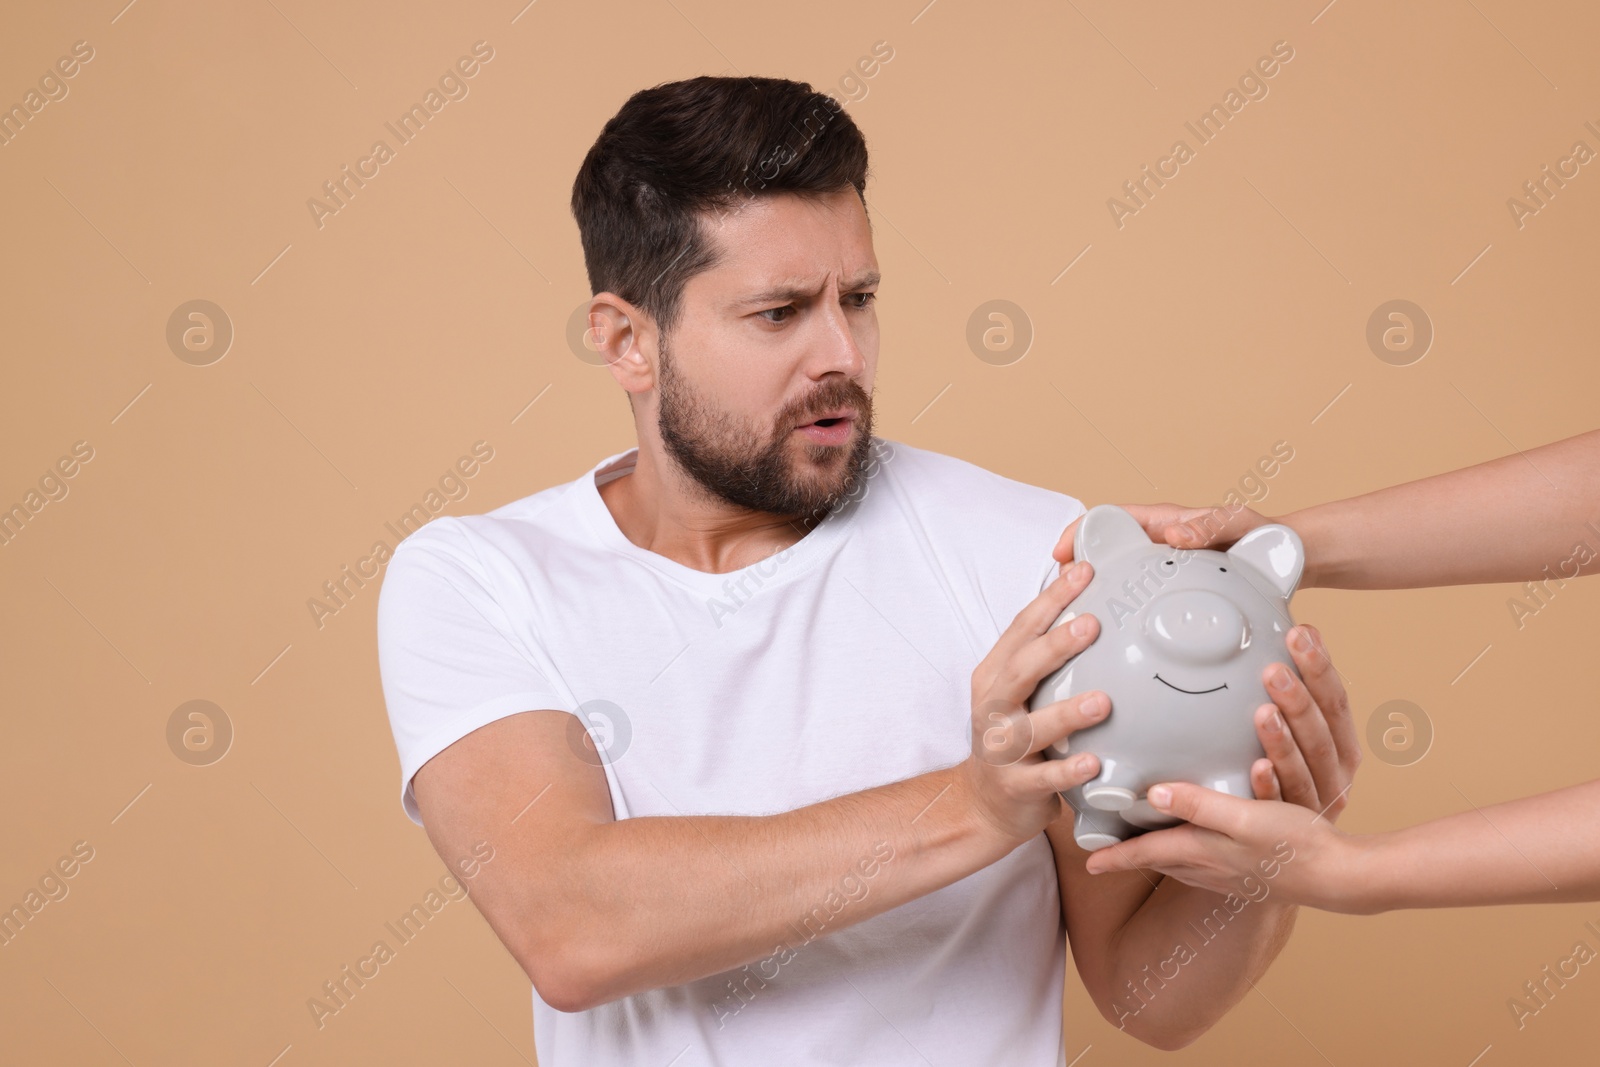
1313, 535
1370, 876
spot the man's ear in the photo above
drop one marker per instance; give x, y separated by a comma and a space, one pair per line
620, 333
1107, 531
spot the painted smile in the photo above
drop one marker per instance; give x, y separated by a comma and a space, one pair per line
1191, 692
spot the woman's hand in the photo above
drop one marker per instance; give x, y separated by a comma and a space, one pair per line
1230, 845
1178, 526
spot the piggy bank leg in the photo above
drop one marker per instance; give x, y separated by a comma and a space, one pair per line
1115, 789
1093, 829
1142, 813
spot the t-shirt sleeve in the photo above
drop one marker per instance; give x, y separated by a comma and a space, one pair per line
447, 653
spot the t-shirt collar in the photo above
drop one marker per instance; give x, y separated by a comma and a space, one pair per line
780, 567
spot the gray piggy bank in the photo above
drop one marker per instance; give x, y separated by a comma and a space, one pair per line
1184, 637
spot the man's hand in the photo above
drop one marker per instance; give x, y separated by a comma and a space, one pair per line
1302, 786
1307, 732
1007, 780
1178, 526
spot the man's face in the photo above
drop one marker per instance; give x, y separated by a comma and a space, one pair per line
781, 332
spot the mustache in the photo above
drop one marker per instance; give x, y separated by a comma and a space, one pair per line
848, 395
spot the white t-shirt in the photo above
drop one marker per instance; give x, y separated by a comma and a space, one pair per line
839, 664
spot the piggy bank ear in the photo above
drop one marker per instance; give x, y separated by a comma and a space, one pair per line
1107, 531
1276, 552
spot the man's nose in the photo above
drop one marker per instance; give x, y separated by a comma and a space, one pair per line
1196, 626
837, 349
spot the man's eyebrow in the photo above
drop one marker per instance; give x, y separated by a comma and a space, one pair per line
789, 292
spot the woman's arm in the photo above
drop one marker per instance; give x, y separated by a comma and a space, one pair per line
1540, 849
1529, 516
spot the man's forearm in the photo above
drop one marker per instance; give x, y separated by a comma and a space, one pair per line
1522, 517
658, 901
1188, 955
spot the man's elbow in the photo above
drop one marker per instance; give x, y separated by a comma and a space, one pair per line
569, 976
562, 997
1149, 1027
1169, 1039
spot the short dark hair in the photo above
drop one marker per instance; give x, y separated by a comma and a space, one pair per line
680, 150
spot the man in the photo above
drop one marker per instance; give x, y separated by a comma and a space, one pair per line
714, 704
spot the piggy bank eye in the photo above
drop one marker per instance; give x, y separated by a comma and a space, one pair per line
1168, 563
1223, 569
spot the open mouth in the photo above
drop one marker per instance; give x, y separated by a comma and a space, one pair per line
842, 414
1191, 692
832, 431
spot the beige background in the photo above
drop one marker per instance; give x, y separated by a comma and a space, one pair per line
369, 354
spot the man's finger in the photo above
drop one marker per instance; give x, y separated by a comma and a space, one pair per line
1020, 675
1004, 732
1327, 689
1264, 781
1310, 729
1057, 775
1063, 550
1057, 721
1296, 783
1041, 611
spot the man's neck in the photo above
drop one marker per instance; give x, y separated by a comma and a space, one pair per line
655, 511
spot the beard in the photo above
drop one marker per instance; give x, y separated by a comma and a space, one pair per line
763, 472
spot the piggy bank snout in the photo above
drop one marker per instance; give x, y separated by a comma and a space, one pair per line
1196, 626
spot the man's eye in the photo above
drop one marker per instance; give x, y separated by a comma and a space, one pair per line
778, 312
866, 299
